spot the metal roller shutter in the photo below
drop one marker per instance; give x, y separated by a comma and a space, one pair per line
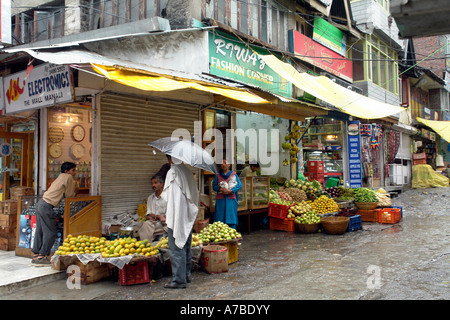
127, 125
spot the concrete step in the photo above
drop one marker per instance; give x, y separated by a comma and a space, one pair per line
18, 273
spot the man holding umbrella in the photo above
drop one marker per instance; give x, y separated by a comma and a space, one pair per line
182, 202
182, 198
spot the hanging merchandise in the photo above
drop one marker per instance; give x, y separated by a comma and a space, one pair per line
376, 135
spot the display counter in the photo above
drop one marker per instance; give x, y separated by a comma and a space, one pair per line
75, 216
258, 189
242, 196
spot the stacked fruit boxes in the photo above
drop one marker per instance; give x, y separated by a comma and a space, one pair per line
8, 224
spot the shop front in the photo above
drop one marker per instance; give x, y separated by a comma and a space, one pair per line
45, 125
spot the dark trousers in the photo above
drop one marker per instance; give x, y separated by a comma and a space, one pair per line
45, 233
180, 260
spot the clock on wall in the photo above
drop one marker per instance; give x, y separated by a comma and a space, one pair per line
78, 150
55, 150
55, 134
78, 133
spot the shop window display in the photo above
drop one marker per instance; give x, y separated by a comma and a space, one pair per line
70, 139
371, 154
322, 149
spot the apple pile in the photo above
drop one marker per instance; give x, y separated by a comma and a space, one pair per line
218, 231
301, 208
309, 217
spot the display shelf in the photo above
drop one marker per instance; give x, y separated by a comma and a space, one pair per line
259, 188
75, 216
242, 196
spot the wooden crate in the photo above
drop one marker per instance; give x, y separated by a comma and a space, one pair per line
8, 207
8, 221
8, 232
8, 244
16, 192
232, 251
92, 272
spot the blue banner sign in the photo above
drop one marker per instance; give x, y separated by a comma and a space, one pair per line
354, 155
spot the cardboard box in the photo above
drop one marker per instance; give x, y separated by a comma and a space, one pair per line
199, 225
214, 259
417, 156
109, 228
201, 213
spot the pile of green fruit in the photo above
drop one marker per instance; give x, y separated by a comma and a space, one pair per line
218, 231
279, 197
311, 188
309, 218
301, 208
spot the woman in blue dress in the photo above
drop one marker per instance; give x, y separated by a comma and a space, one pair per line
226, 184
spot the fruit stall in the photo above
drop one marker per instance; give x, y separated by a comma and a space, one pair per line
299, 206
132, 261
306, 207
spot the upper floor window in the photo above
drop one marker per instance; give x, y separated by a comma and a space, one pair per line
262, 19
36, 25
56, 20
375, 61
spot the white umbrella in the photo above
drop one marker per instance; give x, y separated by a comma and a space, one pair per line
186, 151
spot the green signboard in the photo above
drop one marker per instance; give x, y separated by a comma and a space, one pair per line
329, 36
230, 58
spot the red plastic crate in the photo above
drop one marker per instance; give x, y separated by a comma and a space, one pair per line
316, 176
282, 224
390, 215
134, 273
316, 167
420, 161
278, 210
369, 215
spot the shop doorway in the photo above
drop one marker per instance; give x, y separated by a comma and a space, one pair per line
16, 161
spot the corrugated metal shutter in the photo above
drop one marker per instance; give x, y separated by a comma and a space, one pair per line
127, 125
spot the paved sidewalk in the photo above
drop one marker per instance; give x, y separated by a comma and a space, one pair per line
18, 272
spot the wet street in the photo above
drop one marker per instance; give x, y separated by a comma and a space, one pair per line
407, 261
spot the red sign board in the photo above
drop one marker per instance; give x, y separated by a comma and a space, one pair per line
320, 56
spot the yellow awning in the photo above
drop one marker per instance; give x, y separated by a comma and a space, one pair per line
326, 90
159, 83
442, 128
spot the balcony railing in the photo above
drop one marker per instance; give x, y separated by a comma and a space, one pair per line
52, 22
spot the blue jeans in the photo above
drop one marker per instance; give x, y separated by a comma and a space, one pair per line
180, 260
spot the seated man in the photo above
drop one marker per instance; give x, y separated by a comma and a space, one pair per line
155, 225
250, 171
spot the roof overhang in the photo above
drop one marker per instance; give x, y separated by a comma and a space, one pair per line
419, 18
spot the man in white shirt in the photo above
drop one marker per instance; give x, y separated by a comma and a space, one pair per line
182, 208
156, 212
